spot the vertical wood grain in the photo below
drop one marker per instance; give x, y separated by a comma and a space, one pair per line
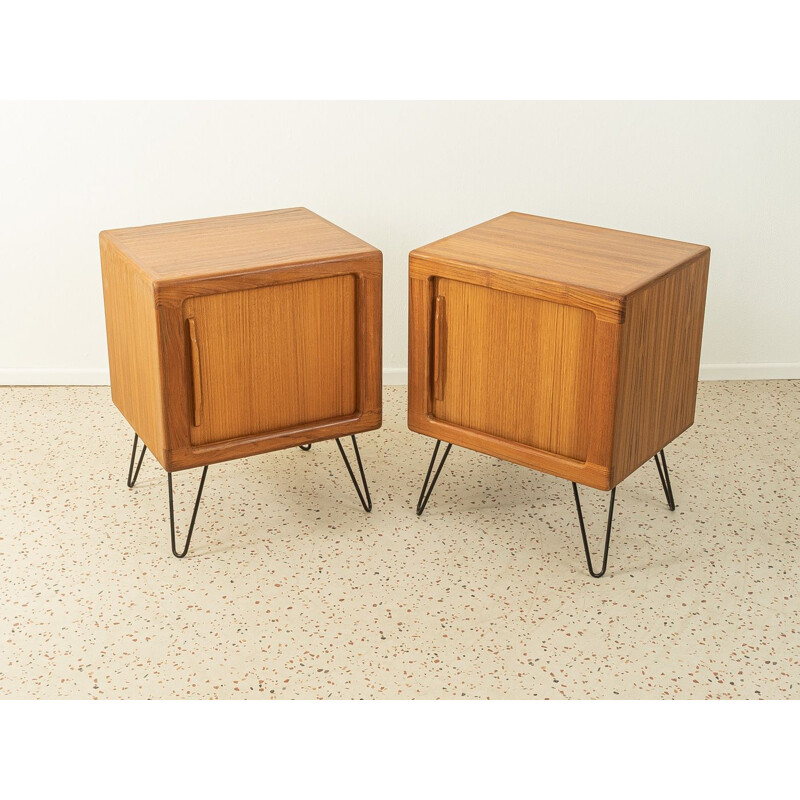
602, 390
275, 357
659, 365
133, 347
518, 368
420, 325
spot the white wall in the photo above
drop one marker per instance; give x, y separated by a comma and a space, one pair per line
398, 175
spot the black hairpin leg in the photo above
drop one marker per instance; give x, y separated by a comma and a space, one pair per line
423, 495
194, 515
305, 447
132, 476
368, 502
583, 532
665, 481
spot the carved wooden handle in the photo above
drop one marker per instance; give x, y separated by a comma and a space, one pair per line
439, 348
197, 384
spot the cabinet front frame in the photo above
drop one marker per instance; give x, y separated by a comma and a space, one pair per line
595, 471
176, 365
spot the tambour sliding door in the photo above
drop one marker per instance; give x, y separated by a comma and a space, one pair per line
512, 366
272, 358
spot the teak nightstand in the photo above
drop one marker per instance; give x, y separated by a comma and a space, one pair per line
566, 348
234, 336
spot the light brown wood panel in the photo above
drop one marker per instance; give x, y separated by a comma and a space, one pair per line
183, 452
594, 471
515, 367
586, 257
605, 306
133, 348
562, 347
602, 390
276, 357
659, 365
293, 306
197, 248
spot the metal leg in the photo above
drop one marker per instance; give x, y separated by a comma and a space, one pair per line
194, 515
583, 532
305, 447
423, 496
132, 476
665, 481
368, 502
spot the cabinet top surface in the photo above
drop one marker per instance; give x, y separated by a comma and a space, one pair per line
219, 245
598, 259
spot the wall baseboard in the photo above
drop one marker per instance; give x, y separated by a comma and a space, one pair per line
392, 376
395, 376
750, 372
53, 376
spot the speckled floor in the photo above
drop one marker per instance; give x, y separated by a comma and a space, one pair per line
291, 591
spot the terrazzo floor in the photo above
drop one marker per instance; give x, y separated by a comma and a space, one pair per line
291, 591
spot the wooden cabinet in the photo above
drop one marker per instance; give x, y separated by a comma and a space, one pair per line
239, 335
566, 348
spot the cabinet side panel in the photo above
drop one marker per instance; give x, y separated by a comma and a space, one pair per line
132, 346
659, 365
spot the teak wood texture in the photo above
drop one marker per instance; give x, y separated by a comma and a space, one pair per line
234, 336
567, 348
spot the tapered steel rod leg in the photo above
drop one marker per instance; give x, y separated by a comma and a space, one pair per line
583, 532
423, 496
194, 515
663, 473
305, 447
132, 476
367, 503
